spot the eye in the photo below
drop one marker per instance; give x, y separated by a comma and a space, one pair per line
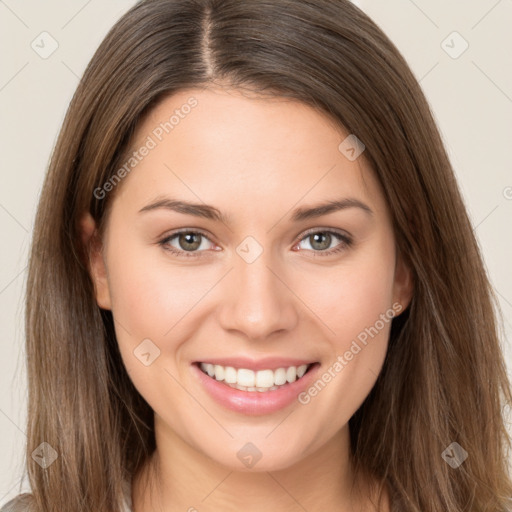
188, 242
320, 241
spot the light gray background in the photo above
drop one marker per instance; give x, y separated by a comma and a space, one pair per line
471, 97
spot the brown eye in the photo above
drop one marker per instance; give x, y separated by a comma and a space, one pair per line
189, 241
321, 242
186, 243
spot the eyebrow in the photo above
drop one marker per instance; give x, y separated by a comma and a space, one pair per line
212, 213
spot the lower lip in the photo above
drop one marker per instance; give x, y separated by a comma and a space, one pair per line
255, 402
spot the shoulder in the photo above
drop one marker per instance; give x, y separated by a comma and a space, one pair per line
18, 504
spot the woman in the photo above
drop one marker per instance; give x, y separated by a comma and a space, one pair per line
253, 282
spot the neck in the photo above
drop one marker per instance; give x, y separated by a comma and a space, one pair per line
178, 477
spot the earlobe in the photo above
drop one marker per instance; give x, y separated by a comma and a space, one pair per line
403, 288
93, 248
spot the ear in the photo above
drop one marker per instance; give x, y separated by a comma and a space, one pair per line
403, 286
94, 251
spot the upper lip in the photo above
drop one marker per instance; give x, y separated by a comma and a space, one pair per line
266, 363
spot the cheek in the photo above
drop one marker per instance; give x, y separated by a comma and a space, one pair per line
351, 297
357, 306
148, 299
150, 296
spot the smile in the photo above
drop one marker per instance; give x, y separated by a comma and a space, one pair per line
268, 387
245, 379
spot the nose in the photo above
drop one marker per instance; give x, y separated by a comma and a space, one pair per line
257, 300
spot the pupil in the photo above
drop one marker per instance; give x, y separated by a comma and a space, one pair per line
189, 245
325, 244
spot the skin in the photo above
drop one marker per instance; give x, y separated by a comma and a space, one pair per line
256, 160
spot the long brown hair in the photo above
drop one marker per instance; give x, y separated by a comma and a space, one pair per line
444, 378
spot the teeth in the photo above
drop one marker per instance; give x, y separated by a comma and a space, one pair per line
264, 379
229, 375
244, 388
249, 380
280, 377
301, 370
245, 377
219, 372
291, 374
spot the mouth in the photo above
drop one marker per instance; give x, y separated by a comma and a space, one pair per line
266, 388
245, 379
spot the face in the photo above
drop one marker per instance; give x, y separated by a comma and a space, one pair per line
252, 284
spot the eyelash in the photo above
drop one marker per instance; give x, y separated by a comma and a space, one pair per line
346, 242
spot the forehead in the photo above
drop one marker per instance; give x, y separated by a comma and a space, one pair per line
243, 152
